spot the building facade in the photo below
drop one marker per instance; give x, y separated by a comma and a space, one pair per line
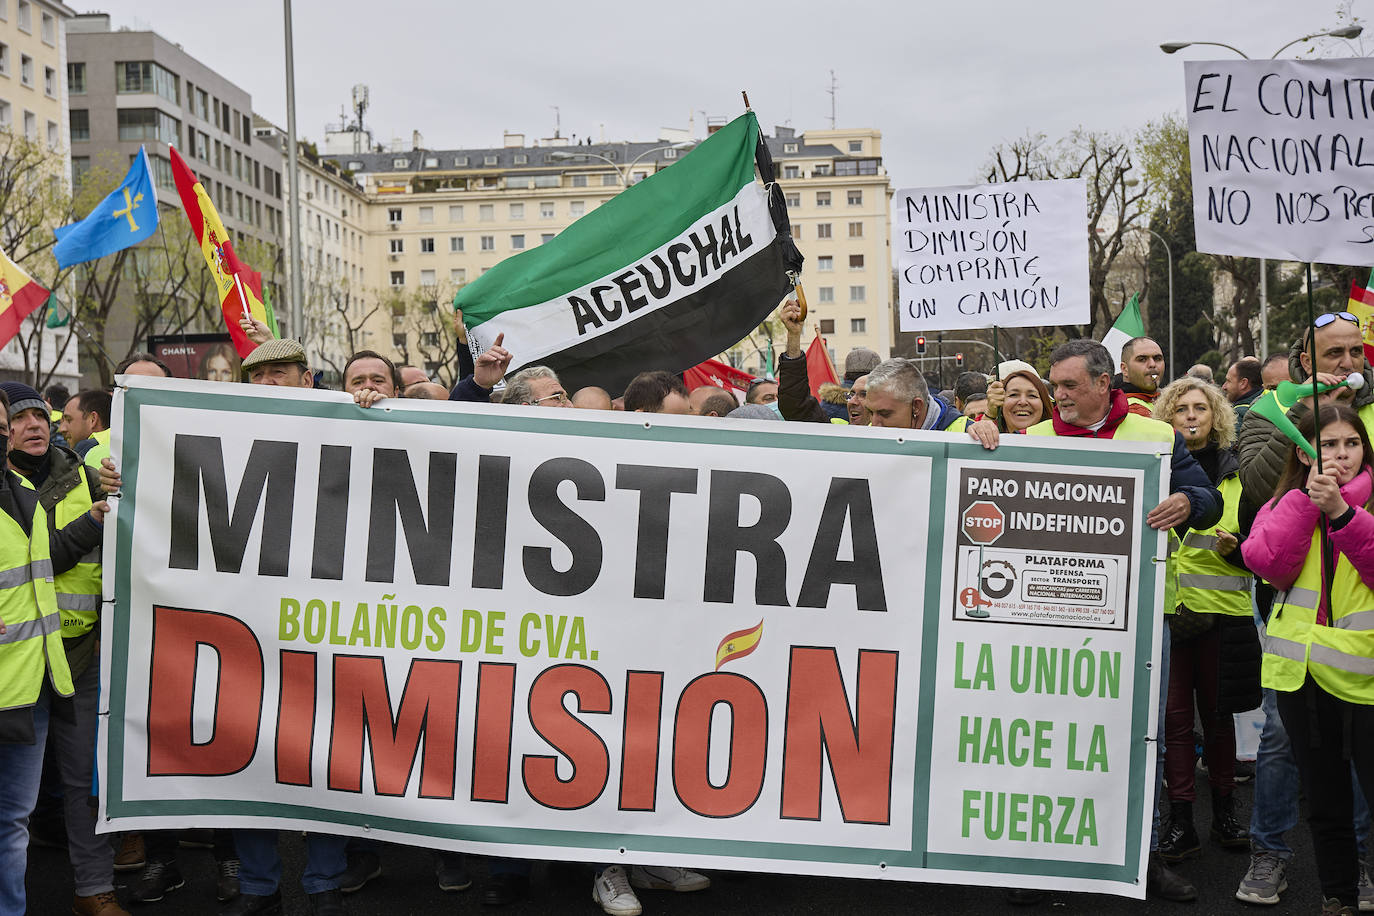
33, 103
136, 88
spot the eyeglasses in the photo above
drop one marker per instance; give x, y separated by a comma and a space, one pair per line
853, 393
1323, 320
559, 396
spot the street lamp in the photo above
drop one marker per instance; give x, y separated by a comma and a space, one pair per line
623, 171
1169, 47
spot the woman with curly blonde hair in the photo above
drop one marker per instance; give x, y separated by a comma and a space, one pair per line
1214, 649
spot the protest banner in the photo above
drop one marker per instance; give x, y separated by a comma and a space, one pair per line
630, 638
1010, 255
1280, 153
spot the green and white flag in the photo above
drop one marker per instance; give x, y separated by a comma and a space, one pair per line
670, 272
1128, 326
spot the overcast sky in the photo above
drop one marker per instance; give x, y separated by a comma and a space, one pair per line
944, 81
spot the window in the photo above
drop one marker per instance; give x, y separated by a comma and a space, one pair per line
577, 208
460, 161
4, 59
827, 325
546, 210
397, 246
670, 153
793, 201
393, 215
148, 124
856, 230
49, 29
822, 169
822, 198
399, 163
54, 136
858, 325
162, 172
50, 82
825, 262
610, 181
486, 212
579, 181
455, 244
80, 166
6, 114
431, 162
146, 76
426, 214
30, 125
79, 120
856, 262
25, 16
455, 213
488, 243
822, 230
428, 278
398, 278
545, 238
791, 171
458, 275
825, 294
517, 211
517, 242
856, 146
857, 294
427, 245
857, 167
247, 129
202, 104
796, 231
26, 69
521, 159
4, 10
855, 198
789, 147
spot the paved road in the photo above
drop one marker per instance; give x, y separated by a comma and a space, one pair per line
407, 886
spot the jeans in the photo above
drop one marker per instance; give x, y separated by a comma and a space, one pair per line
1165, 649
73, 744
21, 768
1274, 810
260, 866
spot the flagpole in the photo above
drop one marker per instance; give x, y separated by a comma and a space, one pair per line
1312, 349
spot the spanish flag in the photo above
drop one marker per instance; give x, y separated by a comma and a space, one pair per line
738, 644
1362, 307
19, 296
231, 277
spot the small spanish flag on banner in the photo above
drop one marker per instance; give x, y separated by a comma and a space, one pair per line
19, 296
1362, 307
231, 277
738, 644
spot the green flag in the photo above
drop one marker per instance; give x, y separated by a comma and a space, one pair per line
55, 318
1128, 326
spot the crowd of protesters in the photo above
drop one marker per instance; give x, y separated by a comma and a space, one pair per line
1269, 602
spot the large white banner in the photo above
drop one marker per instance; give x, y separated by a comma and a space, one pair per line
1013, 255
1281, 154
626, 637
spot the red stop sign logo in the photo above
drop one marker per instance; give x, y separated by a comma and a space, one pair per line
983, 522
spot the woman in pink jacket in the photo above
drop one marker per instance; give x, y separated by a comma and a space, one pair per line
1314, 542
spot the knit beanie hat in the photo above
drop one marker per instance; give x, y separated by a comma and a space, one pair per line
22, 397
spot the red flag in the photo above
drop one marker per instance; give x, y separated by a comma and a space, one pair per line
722, 375
1362, 307
232, 278
819, 368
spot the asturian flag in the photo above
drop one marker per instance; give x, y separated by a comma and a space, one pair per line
670, 272
126, 217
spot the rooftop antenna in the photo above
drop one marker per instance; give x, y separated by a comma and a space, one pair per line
557, 122
834, 85
360, 99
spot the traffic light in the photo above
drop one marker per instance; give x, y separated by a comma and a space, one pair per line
958, 360
921, 345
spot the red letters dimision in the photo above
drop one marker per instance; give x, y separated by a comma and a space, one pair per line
748, 746
569, 735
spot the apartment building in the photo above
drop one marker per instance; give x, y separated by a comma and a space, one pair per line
131, 88
439, 218
33, 101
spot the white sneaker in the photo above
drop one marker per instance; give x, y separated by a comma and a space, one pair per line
612, 890
667, 878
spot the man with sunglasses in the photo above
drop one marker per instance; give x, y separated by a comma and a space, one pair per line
1264, 451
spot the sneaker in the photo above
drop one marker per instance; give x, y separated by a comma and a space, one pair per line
226, 880
1366, 889
667, 878
612, 891
1264, 880
130, 856
363, 866
155, 881
448, 868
